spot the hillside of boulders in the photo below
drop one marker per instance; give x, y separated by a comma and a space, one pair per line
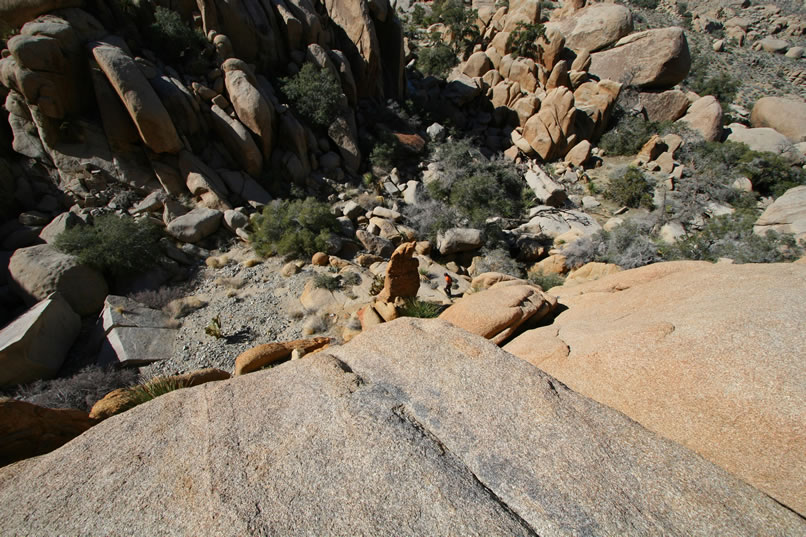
612, 192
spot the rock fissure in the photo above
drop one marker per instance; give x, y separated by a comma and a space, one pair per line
407, 417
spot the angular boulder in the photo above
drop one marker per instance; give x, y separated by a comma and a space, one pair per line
35, 344
787, 116
359, 41
649, 59
413, 428
498, 311
237, 140
669, 105
130, 334
374, 244
550, 131
254, 111
38, 271
701, 367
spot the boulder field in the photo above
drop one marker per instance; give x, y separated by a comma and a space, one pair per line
413, 428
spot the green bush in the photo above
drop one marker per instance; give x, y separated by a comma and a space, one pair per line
414, 307
460, 20
436, 60
546, 281
172, 39
331, 283
631, 189
771, 174
114, 245
314, 93
477, 187
628, 135
732, 236
142, 393
703, 79
293, 227
523, 40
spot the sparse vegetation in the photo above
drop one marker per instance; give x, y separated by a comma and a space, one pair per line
293, 227
213, 328
143, 393
157, 298
630, 189
81, 390
629, 134
377, 284
115, 245
630, 245
704, 80
314, 93
646, 4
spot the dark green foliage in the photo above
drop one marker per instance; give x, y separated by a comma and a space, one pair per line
523, 40
293, 227
114, 245
460, 20
631, 189
324, 281
732, 236
629, 135
771, 174
546, 281
314, 93
477, 187
172, 39
436, 60
419, 309
81, 390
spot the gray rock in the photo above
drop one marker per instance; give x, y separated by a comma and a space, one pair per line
195, 225
35, 345
131, 334
414, 194
456, 240
545, 190
347, 226
388, 214
235, 220
352, 210
375, 244
38, 271
550, 222
436, 132
763, 139
771, 44
413, 428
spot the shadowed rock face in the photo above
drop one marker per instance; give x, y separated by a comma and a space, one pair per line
415, 428
710, 356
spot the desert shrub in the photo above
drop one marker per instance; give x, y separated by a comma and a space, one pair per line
477, 187
628, 135
771, 174
351, 278
630, 245
497, 260
546, 281
436, 60
630, 189
114, 244
314, 93
377, 285
523, 40
172, 39
293, 227
324, 281
157, 298
81, 390
432, 217
646, 4
704, 80
732, 236
420, 309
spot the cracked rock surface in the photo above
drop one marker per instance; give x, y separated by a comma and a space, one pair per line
413, 428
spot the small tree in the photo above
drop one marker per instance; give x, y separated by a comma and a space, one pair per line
523, 40
315, 94
630, 189
114, 244
293, 227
